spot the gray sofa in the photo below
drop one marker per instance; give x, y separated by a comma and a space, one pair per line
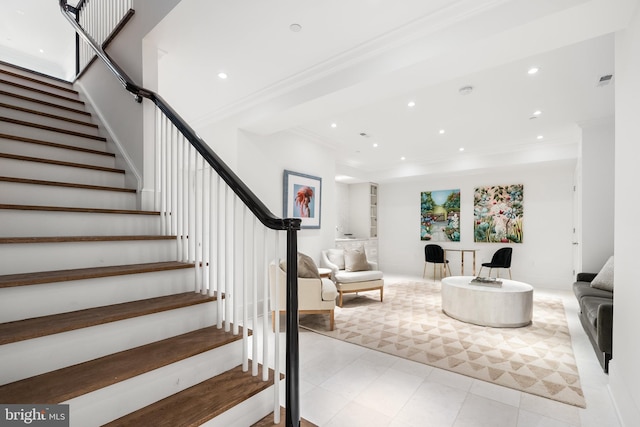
596, 316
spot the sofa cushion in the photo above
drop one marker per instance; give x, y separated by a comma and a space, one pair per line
336, 256
355, 259
604, 279
589, 307
357, 276
584, 289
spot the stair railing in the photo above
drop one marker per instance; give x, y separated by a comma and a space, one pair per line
102, 19
198, 197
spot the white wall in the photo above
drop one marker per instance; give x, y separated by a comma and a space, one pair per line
343, 225
624, 370
109, 99
544, 259
261, 165
598, 140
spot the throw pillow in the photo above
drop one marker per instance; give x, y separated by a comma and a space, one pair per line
355, 259
604, 279
306, 267
336, 256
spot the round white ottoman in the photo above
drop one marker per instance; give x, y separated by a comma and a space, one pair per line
509, 306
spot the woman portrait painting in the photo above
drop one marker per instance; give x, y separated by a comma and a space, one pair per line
302, 198
303, 201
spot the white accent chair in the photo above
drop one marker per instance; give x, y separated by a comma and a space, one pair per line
346, 281
314, 295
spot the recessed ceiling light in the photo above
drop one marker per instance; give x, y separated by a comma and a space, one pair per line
441, 131
375, 145
411, 104
539, 137
466, 90
537, 113
296, 28
222, 75
403, 158
41, 50
533, 70
461, 149
334, 125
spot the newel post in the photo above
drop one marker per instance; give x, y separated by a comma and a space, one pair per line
292, 378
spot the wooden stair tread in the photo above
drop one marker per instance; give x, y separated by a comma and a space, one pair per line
37, 81
41, 277
55, 144
77, 210
71, 239
60, 163
73, 381
66, 184
268, 421
41, 102
200, 403
53, 129
36, 327
51, 116
44, 92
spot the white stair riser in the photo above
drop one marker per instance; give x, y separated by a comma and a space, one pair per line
25, 359
32, 257
246, 413
47, 195
51, 136
38, 86
52, 172
49, 109
48, 121
67, 101
10, 146
115, 401
27, 223
24, 302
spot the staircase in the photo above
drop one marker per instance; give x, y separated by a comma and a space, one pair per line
95, 310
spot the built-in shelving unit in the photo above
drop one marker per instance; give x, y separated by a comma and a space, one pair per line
373, 223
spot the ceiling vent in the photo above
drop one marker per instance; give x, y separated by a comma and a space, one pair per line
605, 80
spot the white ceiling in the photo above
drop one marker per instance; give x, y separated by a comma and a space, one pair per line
358, 63
34, 34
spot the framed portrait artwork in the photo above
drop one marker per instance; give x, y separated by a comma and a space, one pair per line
302, 198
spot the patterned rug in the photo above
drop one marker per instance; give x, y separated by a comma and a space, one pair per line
536, 359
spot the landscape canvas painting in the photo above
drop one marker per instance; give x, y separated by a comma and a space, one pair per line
497, 214
440, 215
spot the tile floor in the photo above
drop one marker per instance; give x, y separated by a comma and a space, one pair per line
347, 385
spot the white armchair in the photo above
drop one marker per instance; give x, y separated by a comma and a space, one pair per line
352, 272
314, 295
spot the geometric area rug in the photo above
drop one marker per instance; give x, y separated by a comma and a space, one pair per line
536, 359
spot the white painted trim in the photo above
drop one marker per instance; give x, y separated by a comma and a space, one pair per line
112, 138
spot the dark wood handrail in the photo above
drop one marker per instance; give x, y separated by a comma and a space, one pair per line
264, 215
233, 181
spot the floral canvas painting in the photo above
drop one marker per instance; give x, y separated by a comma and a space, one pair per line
440, 215
497, 213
